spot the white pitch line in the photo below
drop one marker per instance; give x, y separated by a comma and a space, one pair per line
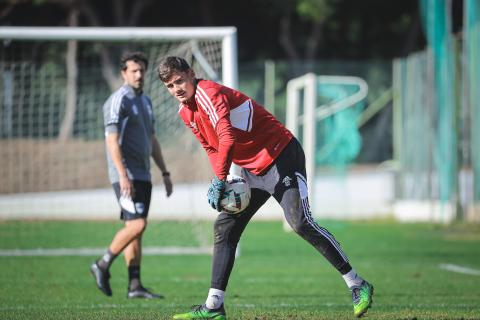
18, 307
53, 252
459, 269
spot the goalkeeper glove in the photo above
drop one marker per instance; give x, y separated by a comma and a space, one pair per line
215, 193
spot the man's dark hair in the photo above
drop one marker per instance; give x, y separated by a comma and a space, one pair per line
169, 65
136, 56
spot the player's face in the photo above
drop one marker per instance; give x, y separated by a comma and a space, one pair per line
181, 85
134, 74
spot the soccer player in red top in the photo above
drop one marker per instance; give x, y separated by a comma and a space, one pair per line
232, 127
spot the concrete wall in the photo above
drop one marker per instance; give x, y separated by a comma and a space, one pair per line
358, 195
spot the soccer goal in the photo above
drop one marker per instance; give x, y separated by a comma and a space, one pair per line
54, 82
323, 112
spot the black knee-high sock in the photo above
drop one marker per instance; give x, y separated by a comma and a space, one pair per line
345, 268
134, 277
106, 261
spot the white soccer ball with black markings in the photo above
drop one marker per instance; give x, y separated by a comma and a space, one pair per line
236, 196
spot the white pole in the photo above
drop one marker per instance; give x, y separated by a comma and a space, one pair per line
269, 90
292, 106
230, 73
229, 58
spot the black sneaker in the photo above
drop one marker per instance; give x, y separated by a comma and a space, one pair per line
102, 278
143, 293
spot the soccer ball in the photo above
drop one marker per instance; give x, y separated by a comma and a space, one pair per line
236, 196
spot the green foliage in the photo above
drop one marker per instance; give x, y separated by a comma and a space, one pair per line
402, 24
315, 10
277, 276
39, 2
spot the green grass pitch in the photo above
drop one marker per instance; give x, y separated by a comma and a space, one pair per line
277, 276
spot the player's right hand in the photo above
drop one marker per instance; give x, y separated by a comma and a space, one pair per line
215, 193
126, 187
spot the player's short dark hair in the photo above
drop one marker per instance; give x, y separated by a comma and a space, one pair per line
169, 65
135, 56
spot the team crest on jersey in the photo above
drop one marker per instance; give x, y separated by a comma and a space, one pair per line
287, 181
135, 109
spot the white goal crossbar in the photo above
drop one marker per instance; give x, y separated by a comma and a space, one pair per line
228, 35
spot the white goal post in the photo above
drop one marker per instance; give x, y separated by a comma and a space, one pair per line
32, 101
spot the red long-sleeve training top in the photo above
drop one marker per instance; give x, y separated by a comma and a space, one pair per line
233, 127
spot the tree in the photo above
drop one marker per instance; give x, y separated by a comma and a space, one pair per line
124, 13
314, 13
66, 127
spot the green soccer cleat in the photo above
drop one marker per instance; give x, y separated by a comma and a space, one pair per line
202, 312
362, 298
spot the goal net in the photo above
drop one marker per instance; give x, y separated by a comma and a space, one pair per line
54, 82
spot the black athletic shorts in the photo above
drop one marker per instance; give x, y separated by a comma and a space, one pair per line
141, 199
283, 174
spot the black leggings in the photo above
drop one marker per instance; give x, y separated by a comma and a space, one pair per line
286, 181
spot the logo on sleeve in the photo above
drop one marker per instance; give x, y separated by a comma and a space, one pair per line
286, 181
139, 207
193, 125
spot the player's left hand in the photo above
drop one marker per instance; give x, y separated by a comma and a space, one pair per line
215, 193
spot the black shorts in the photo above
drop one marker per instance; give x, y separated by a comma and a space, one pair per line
141, 199
286, 172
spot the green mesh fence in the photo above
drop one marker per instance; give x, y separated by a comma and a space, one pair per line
413, 132
436, 111
426, 135
472, 84
438, 30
